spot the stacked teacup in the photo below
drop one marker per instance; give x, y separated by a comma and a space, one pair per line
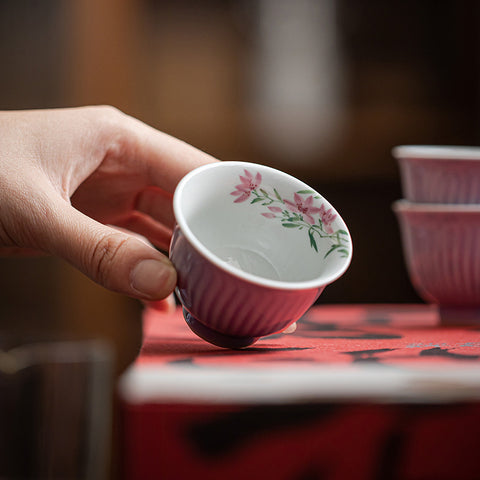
439, 220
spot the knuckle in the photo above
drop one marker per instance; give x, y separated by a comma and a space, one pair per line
115, 130
105, 256
106, 112
106, 118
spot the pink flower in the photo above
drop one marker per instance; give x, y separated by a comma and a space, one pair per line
248, 184
327, 217
305, 207
272, 209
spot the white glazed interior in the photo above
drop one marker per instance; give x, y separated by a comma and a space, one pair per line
238, 238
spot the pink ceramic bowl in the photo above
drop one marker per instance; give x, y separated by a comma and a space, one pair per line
439, 174
441, 246
253, 248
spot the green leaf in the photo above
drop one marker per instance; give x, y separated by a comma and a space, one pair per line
334, 247
343, 232
290, 225
255, 200
306, 192
343, 251
313, 243
277, 195
264, 192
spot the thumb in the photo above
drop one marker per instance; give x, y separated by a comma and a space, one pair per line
114, 259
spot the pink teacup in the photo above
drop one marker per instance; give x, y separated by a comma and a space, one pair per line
439, 174
441, 244
253, 248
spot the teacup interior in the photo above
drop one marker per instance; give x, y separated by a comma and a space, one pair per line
260, 221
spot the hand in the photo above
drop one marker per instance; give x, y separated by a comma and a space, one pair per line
69, 176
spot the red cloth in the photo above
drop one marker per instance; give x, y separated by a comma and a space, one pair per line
322, 435
388, 334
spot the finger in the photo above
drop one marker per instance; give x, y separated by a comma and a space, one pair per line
290, 329
156, 233
166, 159
133, 234
114, 259
157, 204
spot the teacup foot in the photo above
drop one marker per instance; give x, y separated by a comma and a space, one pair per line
214, 337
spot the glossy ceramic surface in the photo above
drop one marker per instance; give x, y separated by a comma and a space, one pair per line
441, 246
439, 174
253, 248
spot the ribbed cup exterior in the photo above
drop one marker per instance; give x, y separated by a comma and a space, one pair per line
440, 180
229, 304
442, 253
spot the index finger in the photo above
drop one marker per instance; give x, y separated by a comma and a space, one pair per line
166, 159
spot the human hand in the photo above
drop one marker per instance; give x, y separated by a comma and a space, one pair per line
69, 176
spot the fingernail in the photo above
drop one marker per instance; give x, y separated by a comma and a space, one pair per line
153, 279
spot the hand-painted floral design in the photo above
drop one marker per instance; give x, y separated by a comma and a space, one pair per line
248, 185
305, 207
299, 212
327, 217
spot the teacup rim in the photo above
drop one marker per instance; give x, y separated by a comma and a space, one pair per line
317, 282
436, 152
404, 205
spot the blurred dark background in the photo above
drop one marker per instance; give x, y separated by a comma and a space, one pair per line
322, 89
